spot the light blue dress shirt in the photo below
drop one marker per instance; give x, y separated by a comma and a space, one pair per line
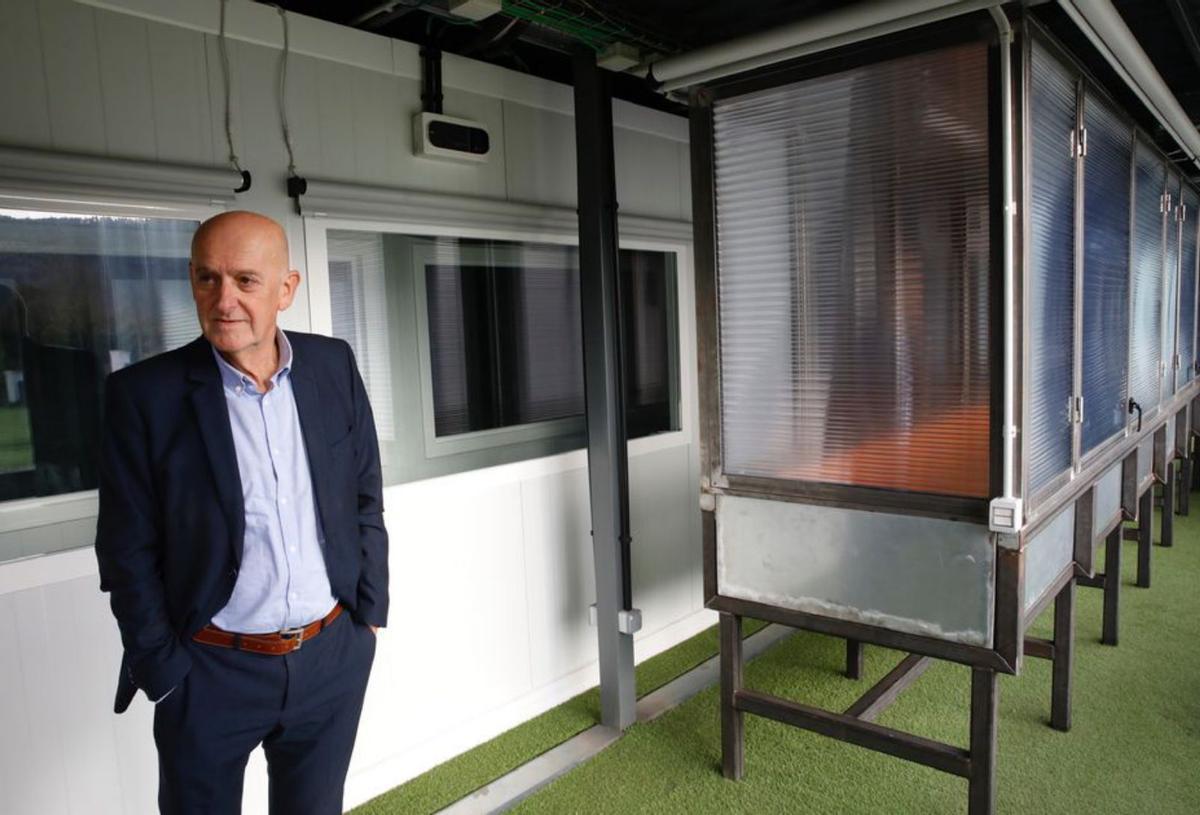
282, 581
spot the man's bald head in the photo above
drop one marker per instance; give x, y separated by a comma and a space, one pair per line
241, 281
244, 228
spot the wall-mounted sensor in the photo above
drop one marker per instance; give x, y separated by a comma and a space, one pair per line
438, 136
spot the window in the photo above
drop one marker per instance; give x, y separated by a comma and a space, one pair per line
80, 296
471, 349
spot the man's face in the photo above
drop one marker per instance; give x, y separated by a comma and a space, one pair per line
240, 281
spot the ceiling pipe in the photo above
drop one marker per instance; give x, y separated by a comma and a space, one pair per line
1100, 23
862, 21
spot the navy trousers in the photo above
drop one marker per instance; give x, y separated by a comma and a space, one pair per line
302, 707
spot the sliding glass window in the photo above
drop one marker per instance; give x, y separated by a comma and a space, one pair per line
471, 349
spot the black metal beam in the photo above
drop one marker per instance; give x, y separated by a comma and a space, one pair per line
944, 757
733, 732
608, 462
887, 690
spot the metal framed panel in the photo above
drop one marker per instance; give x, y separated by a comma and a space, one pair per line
1147, 263
1047, 554
866, 440
1104, 332
1169, 360
1188, 219
922, 576
1050, 276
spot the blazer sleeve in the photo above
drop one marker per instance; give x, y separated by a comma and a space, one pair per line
129, 548
372, 601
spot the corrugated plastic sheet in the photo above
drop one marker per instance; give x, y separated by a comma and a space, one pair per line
853, 256
1146, 336
1050, 278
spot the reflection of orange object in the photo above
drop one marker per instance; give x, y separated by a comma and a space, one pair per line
946, 455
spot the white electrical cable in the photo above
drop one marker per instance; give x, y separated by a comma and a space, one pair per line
283, 67
221, 47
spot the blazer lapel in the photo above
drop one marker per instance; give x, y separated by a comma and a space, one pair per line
307, 394
212, 416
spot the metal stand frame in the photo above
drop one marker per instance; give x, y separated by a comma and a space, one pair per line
856, 725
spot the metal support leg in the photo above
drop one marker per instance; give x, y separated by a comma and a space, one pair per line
854, 659
984, 707
1185, 483
1145, 537
1168, 508
1112, 584
733, 733
1064, 654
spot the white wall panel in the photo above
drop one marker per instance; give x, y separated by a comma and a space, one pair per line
541, 155
72, 69
42, 784
647, 174
125, 82
182, 116
662, 548
558, 551
22, 77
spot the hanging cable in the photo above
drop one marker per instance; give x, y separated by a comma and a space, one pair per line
296, 185
224, 51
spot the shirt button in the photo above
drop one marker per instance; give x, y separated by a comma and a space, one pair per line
283, 501
292, 549
238, 389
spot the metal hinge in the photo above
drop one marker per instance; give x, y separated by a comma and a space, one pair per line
1164, 204
1181, 213
1175, 362
1076, 409
1079, 142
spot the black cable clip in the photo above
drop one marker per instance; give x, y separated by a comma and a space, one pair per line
297, 185
1133, 405
245, 181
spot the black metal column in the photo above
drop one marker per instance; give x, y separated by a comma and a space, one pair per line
854, 659
1112, 585
733, 733
981, 791
608, 463
1145, 537
1168, 507
1064, 655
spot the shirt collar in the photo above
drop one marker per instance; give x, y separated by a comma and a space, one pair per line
233, 378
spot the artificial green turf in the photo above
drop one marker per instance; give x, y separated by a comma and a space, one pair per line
1134, 746
463, 774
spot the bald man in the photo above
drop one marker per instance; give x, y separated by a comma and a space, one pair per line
241, 537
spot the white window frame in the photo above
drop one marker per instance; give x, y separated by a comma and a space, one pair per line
24, 514
321, 321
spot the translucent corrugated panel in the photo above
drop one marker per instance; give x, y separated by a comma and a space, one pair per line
1146, 331
1050, 278
1105, 272
853, 246
1170, 290
1187, 288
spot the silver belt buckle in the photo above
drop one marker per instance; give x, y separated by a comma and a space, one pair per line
296, 632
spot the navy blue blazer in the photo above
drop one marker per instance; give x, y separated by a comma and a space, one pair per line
169, 535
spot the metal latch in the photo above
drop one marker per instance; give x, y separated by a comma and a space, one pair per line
1076, 409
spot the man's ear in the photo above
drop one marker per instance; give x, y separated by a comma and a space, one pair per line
287, 291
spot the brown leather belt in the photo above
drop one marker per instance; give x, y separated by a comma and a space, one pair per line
277, 643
